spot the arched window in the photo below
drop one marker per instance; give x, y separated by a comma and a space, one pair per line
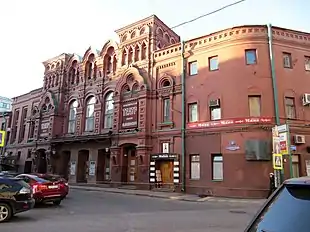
108, 111
72, 117
90, 117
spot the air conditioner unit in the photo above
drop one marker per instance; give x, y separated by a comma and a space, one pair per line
306, 99
214, 103
299, 139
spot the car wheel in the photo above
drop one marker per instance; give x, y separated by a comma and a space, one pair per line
57, 202
5, 212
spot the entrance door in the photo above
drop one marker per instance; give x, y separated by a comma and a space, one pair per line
166, 169
132, 167
28, 167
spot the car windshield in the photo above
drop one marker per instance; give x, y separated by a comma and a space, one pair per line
39, 180
22, 183
51, 177
288, 211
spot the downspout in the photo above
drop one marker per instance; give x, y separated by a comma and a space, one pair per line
273, 76
183, 127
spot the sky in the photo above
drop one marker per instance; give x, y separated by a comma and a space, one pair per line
32, 31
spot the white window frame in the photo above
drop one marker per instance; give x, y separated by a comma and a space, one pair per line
217, 168
213, 63
193, 68
195, 167
215, 113
193, 112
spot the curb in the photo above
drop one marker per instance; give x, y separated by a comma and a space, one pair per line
179, 198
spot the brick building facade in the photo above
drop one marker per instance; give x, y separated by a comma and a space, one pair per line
114, 115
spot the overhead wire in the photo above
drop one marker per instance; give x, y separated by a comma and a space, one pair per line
210, 13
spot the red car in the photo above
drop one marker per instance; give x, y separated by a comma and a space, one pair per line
55, 178
44, 190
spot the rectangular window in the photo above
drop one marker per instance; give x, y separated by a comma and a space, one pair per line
254, 106
287, 60
166, 110
195, 167
215, 113
217, 167
193, 68
307, 63
193, 112
290, 107
250, 56
213, 63
71, 126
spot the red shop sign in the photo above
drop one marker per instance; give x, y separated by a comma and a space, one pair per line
130, 115
228, 122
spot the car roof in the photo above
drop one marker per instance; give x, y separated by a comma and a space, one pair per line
305, 180
28, 175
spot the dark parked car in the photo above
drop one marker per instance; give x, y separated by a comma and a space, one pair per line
286, 210
44, 190
63, 183
15, 197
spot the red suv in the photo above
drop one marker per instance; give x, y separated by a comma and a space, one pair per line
43, 190
63, 183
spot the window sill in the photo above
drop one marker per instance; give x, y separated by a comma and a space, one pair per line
194, 179
214, 70
194, 74
166, 124
217, 180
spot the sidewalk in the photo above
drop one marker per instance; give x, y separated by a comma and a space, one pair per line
165, 195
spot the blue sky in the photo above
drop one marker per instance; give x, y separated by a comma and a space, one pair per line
35, 30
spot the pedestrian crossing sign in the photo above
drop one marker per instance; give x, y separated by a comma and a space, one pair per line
277, 161
2, 138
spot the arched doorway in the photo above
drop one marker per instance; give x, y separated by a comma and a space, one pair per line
41, 161
82, 170
129, 163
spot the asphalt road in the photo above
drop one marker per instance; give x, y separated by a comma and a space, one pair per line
86, 211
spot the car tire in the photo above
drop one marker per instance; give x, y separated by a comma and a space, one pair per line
6, 212
57, 202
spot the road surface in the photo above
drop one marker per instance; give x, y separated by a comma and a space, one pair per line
87, 211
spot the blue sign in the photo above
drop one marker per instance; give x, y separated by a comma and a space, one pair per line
232, 146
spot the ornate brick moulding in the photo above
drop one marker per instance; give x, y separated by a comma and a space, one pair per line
234, 121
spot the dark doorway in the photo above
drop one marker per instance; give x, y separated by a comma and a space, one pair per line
83, 166
42, 162
28, 167
103, 166
65, 164
129, 164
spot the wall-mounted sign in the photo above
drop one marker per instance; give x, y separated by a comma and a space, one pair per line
165, 147
277, 161
163, 156
72, 168
130, 115
44, 128
232, 146
2, 138
228, 122
92, 168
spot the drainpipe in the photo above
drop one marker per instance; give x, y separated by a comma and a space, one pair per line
279, 175
183, 127
273, 76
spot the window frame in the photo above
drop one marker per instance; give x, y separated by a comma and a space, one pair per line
71, 118
212, 109
292, 106
192, 161
190, 68
90, 119
166, 114
190, 115
288, 56
108, 113
220, 161
250, 52
307, 63
260, 105
210, 59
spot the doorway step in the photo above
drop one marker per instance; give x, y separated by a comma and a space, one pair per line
166, 190
131, 187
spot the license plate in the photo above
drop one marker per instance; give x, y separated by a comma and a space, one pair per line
53, 186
